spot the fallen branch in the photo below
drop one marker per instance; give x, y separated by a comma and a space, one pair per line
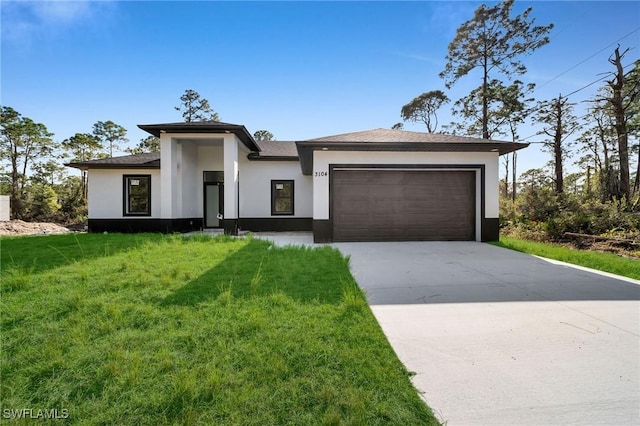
601, 238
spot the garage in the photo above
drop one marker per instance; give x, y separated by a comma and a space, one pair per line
403, 205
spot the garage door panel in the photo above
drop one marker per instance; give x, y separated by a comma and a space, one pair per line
383, 205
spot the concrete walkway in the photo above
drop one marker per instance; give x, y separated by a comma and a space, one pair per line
500, 337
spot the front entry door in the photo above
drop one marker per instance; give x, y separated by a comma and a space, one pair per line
213, 204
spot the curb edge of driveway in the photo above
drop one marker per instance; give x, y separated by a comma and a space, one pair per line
593, 271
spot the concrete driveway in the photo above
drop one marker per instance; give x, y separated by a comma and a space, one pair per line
500, 337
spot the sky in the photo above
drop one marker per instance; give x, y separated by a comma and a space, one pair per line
298, 69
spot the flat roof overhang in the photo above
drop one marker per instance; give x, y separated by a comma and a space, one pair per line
87, 166
306, 148
239, 130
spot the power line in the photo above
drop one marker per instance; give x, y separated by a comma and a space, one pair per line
533, 109
594, 82
585, 60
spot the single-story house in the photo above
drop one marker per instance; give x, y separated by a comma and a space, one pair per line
375, 185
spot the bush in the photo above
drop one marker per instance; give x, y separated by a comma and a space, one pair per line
41, 203
539, 215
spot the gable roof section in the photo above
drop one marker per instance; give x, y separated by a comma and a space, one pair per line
209, 126
399, 140
275, 151
136, 161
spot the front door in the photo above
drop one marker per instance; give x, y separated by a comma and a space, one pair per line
213, 204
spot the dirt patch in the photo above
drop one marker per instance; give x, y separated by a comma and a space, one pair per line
19, 227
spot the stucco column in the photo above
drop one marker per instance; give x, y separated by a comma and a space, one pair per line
230, 184
322, 229
168, 177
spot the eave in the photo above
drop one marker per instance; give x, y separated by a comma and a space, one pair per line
239, 130
254, 156
87, 166
306, 148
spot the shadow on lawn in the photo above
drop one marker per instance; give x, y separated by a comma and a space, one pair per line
259, 269
39, 253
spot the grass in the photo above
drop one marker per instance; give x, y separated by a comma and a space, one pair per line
607, 262
152, 329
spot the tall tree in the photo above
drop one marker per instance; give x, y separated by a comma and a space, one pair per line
149, 144
22, 143
599, 148
633, 121
48, 173
82, 147
506, 107
492, 41
557, 117
514, 111
624, 93
423, 108
110, 134
263, 135
196, 108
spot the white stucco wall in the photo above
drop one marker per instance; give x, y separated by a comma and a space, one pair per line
188, 206
5, 208
322, 160
255, 187
231, 170
169, 176
106, 193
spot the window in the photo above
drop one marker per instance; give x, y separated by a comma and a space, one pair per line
212, 177
137, 195
282, 197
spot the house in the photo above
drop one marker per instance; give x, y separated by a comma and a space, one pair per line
375, 185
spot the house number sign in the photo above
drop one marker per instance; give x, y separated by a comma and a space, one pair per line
320, 174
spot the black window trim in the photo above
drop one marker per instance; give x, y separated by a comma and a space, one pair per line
274, 182
125, 195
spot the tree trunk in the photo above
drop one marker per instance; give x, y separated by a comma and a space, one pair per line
636, 183
485, 100
513, 177
557, 148
16, 205
617, 85
84, 185
506, 177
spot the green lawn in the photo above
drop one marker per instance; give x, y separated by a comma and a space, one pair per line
153, 329
607, 262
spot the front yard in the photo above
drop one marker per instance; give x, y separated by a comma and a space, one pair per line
153, 329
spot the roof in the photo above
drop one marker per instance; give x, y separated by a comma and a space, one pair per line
275, 150
392, 135
399, 140
135, 161
369, 140
208, 126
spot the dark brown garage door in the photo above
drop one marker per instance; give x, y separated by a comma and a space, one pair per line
403, 205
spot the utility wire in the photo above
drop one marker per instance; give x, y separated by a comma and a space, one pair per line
585, 60
594, 82
533, 109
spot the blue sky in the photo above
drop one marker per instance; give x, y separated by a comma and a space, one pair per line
298, 69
